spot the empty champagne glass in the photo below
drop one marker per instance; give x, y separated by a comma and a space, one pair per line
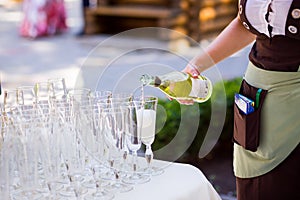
101, 95
62, 130
94, 143
10, 100
80, 95
133, 118
28, 157
115, 101
26, 95
100, 101
10, 108
74, 152
42, 92
6, 151
100, 193
57, 87
4, 175
113, 133
43, 96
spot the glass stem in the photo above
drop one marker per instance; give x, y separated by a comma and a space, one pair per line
97, 181
134, 162
125, 154
148, 156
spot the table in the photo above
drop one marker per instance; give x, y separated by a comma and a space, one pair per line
178, 182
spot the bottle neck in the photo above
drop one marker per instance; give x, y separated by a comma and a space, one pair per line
150, 80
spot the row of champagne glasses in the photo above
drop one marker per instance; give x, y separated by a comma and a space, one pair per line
60, 143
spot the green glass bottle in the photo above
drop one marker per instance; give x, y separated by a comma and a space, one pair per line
181, 86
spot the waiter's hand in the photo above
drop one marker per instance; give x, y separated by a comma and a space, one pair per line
193, 71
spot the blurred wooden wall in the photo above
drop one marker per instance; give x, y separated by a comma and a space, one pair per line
197, 19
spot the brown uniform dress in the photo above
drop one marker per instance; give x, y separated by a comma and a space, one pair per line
274, 52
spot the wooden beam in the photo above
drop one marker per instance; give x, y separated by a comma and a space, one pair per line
133, 11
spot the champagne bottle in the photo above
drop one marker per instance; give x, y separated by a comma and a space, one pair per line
179, 85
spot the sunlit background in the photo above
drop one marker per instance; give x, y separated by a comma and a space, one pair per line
25, 61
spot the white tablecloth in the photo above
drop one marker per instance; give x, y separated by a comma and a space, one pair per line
178, 182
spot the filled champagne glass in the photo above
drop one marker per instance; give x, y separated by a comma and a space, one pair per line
148, 131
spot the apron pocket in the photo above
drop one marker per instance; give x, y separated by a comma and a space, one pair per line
247, 126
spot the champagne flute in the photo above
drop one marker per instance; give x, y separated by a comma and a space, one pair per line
96, 147
10, 101
113, 133
57, 87
100, 193
26, 99
79, 100
115, 101
133, 116
26, 95
4, 173
10, 108
28, 159
148, 132
98, 169
62, 130
2, 125
6, 153
42, 92
42, 96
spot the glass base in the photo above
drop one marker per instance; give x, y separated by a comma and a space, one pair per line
99, 195
55, 185
89, 183
137, 178
27, 194
153, 171
118, 187
71, 191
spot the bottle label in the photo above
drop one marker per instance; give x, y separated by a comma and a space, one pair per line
199, 88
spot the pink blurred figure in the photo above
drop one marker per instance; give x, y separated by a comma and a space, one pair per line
42, 18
